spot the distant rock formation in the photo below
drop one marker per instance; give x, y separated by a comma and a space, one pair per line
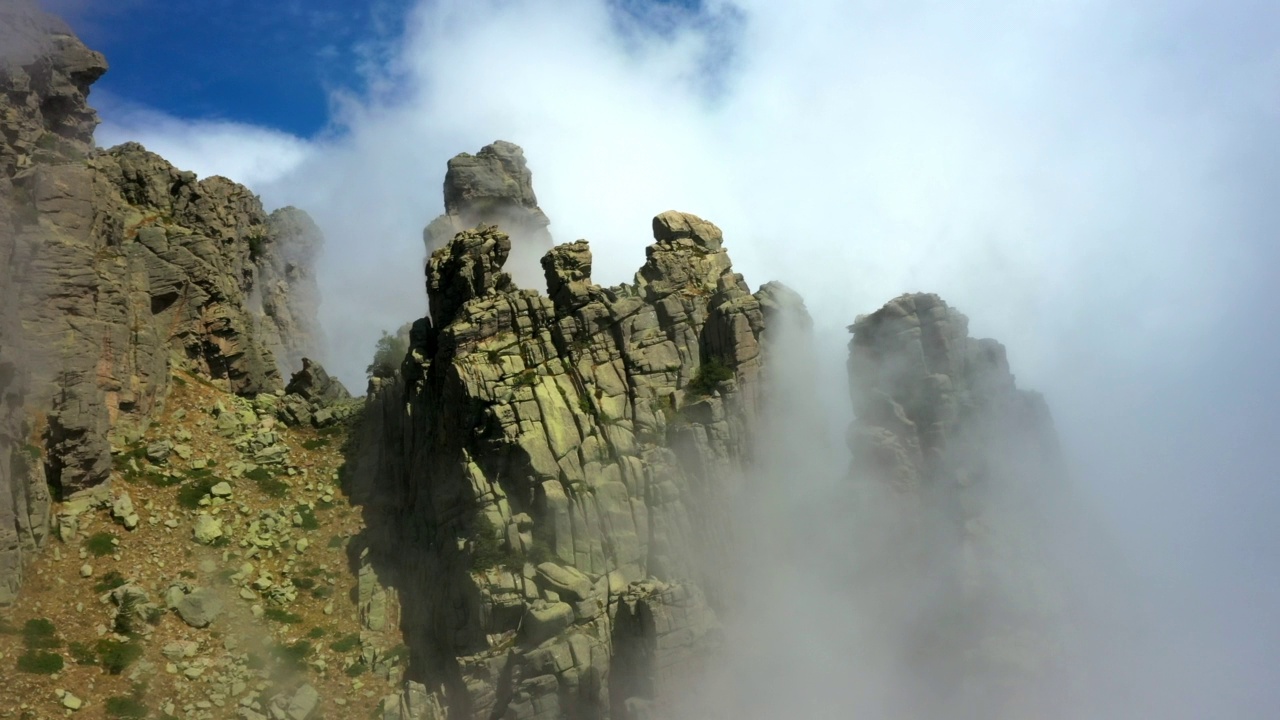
957, 472
117, 269
494, 187
551, 477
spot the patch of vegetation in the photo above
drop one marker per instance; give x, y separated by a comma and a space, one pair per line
294, 655
82, 654
47, 141
493, 356
309, 521
117, 655
315, 444
179, 381
323, 592
38, 662
109, 582
188, 574
190, 494
358, 669
39, 633
304, 583
316, 632
487, 549
539, 552
346, 644
257, 244
128, 706
336, 542
267, 482
388, 354
709, 376
584, 404
281, 615
526, 378
100, 544
124, 706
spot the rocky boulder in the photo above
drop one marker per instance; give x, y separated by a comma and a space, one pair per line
494, 187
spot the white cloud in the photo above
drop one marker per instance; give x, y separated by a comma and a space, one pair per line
1087, 181
251, 155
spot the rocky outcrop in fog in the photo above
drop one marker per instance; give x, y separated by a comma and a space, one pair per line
957, 477
118, 269
494, 187
548, 480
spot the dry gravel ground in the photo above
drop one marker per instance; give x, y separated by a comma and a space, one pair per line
261, 645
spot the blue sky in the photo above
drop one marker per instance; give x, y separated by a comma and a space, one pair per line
269, 64
272, 64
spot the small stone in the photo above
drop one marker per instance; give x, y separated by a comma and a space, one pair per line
222, 490
71, 702
86, 570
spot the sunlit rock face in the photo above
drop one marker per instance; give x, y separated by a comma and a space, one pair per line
117, 268
553, 476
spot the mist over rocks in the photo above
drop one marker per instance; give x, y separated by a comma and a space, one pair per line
563, 494
549, 480
119, 270
962, 503
494, 187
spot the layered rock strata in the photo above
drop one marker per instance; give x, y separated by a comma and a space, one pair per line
548, 480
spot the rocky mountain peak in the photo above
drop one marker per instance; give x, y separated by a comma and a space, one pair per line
494, 187
45, 74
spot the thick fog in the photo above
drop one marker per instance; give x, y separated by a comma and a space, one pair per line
1091, 183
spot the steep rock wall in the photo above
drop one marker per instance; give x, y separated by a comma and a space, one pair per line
117, 269
548, 480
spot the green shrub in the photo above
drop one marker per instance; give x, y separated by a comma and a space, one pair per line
709, 376
388, 354
281, 615
39, 662
268, 483
190, 494
39, 633
100, 544
122, 706
294, 655
526, 378
117, 655
309, 521
358, 669
346, 644
316, 632
257, 244
82, 653
304, 583
108, 582
315, 444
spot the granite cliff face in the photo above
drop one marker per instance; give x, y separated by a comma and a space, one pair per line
119, 269
548, 479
